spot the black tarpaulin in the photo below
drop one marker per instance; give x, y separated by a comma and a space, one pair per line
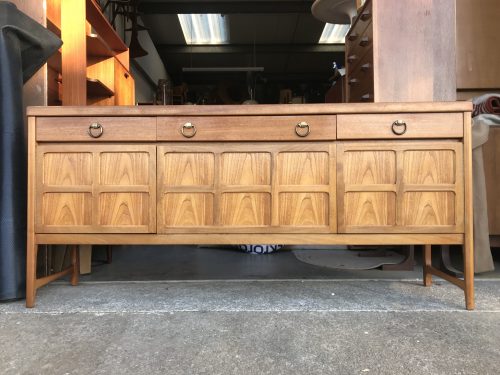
25, 45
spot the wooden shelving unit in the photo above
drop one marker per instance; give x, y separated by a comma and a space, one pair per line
92, 67
96, 88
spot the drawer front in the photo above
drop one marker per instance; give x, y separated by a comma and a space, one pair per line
247, 128
357, 49
411, 125
95, 129
360, 80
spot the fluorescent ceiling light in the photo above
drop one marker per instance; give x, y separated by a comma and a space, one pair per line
225, 69
204, 28
333, 33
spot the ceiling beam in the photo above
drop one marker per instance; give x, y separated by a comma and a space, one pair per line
248, 48
224, 7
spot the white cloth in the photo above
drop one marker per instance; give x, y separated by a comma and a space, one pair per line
483, 260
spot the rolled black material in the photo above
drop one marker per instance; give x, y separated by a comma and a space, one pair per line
25, 45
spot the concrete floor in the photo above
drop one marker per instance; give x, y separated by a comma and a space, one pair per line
181, 311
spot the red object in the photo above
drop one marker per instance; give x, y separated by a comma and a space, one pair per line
490, 105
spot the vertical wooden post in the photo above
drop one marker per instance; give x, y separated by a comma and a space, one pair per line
31, 245
75, 262
74, 52
427, 263
468, 252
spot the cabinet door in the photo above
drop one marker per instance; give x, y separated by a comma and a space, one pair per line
246, 187
96, 189
400, 187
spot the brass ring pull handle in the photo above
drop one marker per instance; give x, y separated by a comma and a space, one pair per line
95, 130
188, 130
302, 129
399, 127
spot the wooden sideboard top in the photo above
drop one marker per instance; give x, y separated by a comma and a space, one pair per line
248, 110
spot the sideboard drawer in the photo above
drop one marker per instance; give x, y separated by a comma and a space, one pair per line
403, 125
95, 129
247, 128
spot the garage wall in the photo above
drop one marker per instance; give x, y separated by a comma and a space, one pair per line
146, 70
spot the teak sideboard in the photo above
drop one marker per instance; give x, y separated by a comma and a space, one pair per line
329, 174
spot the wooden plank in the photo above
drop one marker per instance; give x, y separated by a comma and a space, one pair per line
259, 238
102, 25
380, 126
434, 271
47, 279
53, 12
468, 215
248, 110
74, 52
124, 85
478, 34
76, 129
333, 187
31, 245
85, 259
427, 264
100, 72
424, 72
248, 128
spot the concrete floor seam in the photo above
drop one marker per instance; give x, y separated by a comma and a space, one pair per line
278, 311
437, 282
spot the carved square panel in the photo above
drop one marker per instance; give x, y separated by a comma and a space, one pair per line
429, 167
246, 168
303, 168
67, 168
188, 209
370, 209
67, 209
429, 208
124, 168
370, 167
124, 209
245, 209
303, 209
189, 169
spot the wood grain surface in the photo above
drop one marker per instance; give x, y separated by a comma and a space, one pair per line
400, 187
253, 110
96, 188
69, 129
249, 187
430, 125
246, 128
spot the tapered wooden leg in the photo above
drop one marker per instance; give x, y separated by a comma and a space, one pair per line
32, 252
469, 273
427, 263
75, 262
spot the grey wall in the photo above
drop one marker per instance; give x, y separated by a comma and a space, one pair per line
146, 70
